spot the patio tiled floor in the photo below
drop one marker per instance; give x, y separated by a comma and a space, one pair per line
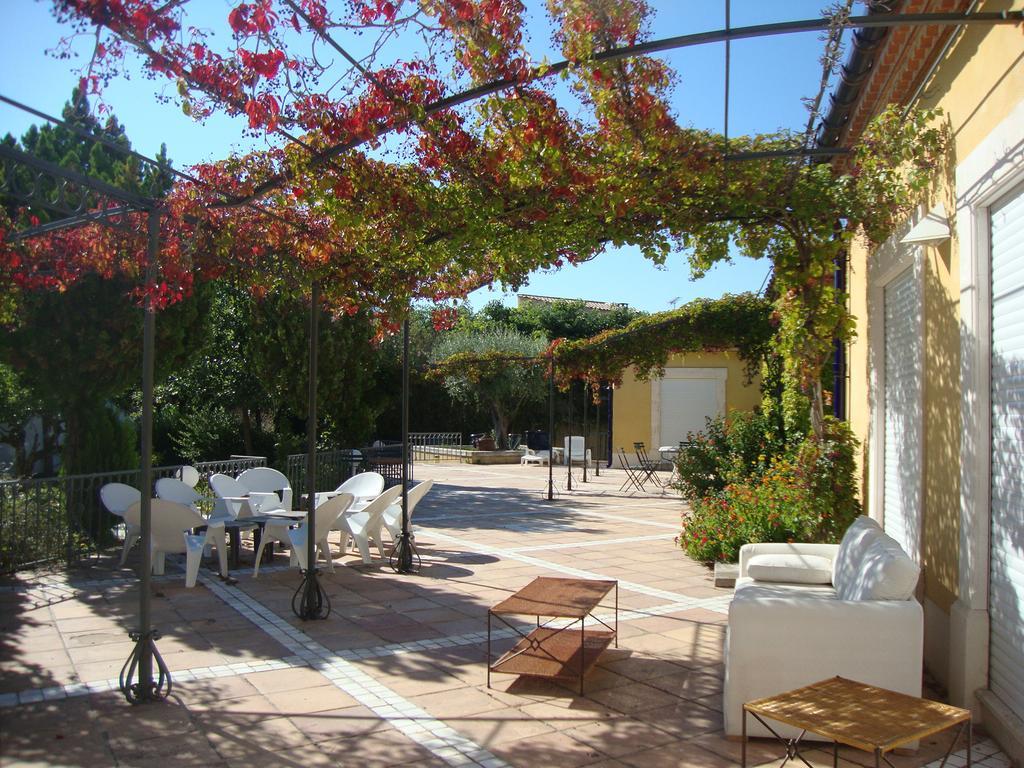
396, 675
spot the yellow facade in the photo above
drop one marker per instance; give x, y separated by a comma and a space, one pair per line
978, 85
632, 404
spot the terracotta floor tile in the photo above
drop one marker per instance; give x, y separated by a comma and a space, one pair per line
469, 701
310, 699
547, 749
337, 723
680, 754
633, 698
490, 728
217, 689
620, 736
380, 749
277, 680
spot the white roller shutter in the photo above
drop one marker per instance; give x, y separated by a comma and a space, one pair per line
686, 405
1006, 584
901, 482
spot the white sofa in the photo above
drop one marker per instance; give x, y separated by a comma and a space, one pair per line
806, 612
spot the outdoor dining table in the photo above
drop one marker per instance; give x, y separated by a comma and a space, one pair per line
256, 522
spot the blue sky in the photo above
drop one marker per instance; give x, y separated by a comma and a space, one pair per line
769, 76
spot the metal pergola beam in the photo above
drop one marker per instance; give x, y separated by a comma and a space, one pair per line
659, 46
91, 217
65, 174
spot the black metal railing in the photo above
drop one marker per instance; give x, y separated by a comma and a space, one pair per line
436, 446
61, 519
332, 469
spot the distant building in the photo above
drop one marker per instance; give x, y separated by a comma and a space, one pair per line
525, 299
664, 411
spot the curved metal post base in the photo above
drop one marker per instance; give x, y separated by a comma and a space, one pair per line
403, 557
143, 690
310, 601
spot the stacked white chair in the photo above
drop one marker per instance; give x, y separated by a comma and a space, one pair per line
576, 451
170, 533
296, 537
189, 475
366, 523
117, 498
392, 518
364, 486
178, 491
231, 498
268, 489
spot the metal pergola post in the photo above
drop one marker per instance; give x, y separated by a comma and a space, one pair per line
310, 601
568, 447
597, 428
404, 558
551, 429
586, 396
140, 662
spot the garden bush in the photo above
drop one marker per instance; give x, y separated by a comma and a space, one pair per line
807, 494
727, 451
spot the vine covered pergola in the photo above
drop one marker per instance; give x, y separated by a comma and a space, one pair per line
390, 181
741, 323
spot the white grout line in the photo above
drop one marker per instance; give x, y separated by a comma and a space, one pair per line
71, 690
597, 543
394, 709
539, 514
510, 554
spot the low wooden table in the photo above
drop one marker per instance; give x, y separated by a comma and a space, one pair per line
858, 715
557, 652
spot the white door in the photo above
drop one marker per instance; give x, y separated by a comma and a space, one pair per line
901, 477
1006, 580
686, 404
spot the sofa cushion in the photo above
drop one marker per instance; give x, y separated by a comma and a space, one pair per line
792, 569
852, 549
886, 573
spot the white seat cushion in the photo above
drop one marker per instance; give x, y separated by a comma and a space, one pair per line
792, 569
886, 573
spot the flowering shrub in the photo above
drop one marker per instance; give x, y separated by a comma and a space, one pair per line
807, 494
727, 451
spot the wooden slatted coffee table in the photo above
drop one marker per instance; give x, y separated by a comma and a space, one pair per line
858, 715
555, 648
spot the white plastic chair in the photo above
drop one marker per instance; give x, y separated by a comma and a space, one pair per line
363, 524
576, 450
170, 533
535, 457
189, 475
117, 497
392, 518
231, 498
263, 482
180, 492
365, 487
326, 515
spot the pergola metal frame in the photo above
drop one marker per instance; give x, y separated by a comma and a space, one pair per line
311, 602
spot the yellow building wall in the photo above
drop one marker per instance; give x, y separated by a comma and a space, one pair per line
631, 405
978, 84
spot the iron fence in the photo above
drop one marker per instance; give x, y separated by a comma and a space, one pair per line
61, 519
332, 469
435, 446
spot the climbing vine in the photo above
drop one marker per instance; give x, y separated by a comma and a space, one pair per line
741, 322
387, 184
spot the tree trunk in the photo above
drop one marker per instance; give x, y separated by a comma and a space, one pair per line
247, 431
500, 420
817, 410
